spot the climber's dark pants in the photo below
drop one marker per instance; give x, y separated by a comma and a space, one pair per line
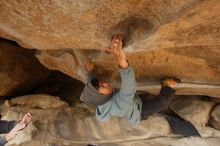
158, 104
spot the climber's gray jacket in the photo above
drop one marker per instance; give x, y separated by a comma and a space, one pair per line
123, 103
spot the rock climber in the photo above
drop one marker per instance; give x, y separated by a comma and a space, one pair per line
124, 102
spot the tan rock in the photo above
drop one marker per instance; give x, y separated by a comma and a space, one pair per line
4, 109
215, 117
207, 131
58, 26
173, 38
67, 61
160, 141
69, 126
39, 101
20, 71
192, 109
163, 141
6, 103
163, 38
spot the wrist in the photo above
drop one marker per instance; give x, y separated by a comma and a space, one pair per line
6, 137
123, 64
121, 58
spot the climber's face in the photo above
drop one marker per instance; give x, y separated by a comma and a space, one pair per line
104, 88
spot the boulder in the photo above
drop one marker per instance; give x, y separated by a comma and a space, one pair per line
168, 38
192, 109
215, 117
73, 126
164, 141
38, 101
163, 38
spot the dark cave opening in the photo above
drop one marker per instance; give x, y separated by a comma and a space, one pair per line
21, 73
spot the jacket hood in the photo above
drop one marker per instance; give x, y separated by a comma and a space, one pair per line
91, 96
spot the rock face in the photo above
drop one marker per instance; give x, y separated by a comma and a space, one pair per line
38, 101
163, 38
171, 141
91, 24
74, 126
192, 109
20, 71
215, 117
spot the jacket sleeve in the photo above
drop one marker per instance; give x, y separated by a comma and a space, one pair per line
89, 76
128, 87
6, 126
2, 141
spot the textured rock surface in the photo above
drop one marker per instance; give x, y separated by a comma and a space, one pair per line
151, 142
76, 126
192, 109
69, 24
163, 38
215, 117
170, 142
20, 71
70, 62
38, 101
